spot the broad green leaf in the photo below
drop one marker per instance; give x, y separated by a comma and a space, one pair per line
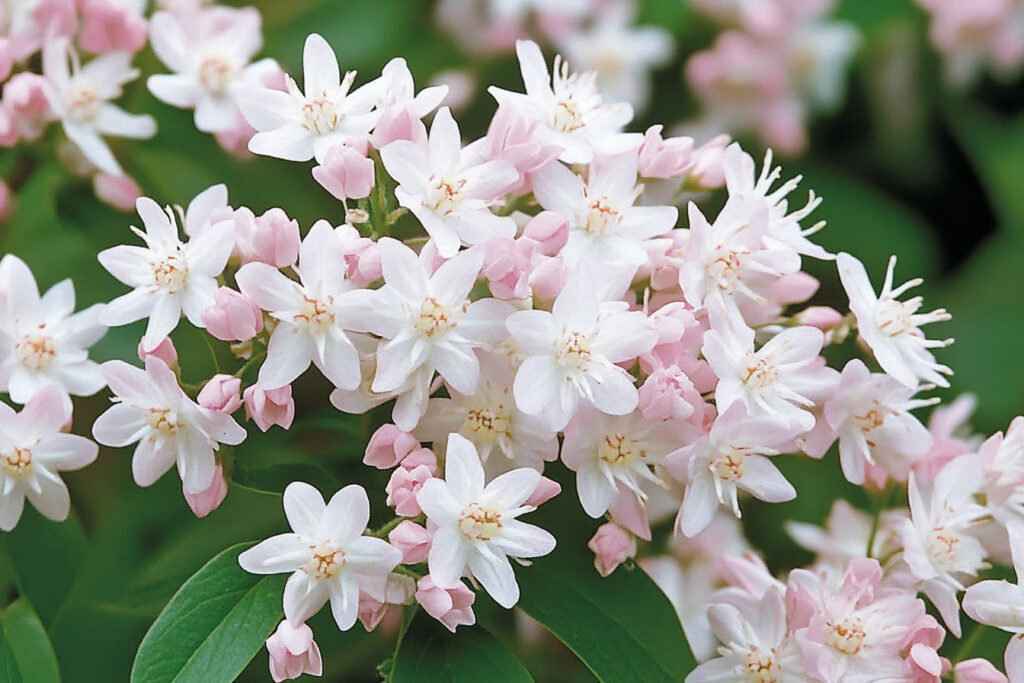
46, 556
275, 477
9, 671
994, 146
429, 653
213, 626
622, 627
29, 645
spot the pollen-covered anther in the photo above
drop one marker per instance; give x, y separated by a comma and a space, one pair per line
17, 461
215, 73
847, 636
728, 466
619, 449
486, 422
603, 217
761, 666
164, 420
327, 560
37, 351
170, 273
315, 312
84, 102
479, 523
320, 115
435, 318
446, 194
761, 373
574, 351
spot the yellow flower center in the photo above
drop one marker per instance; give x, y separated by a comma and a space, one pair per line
435, 318
215, 74
847, 636
164, 420
36, 351
170, 273
17, 462
327, 560
479, 523
619, 449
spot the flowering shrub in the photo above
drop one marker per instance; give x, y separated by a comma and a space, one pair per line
494, 363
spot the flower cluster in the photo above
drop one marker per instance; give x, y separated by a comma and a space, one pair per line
975, 35
778, 64
533, 302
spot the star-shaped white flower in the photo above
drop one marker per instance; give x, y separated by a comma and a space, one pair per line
331, 558
151, 409
169, 277
476, 525
299, 125
33, 449
42, 342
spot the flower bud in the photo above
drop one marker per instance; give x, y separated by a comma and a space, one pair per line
977, 671
120, 191
388, 446
421, 457
345, 173
403, 487
221, 393
453, 607
398, 123
210, 498
822, 317
165, 351
412, 539
272, 238
660, 158
612, 545
545, 490
548, 278
550, 230
110, 26
232, 316
269, 407
293, 652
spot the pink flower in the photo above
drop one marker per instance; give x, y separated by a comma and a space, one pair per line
412, 539
549, 230
221, 393
273, 238
388, 446
977, 671
109, 25
26, 103
512, 136
612, 545
362, 257
403, 486
232, 316
453, 606
269, 407
507, 266
345, 173
165, 351
668, 394
660, 158
120, 191
209, 499
293, 652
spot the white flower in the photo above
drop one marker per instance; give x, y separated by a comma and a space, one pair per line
504, 436
169, 277
427, 321
731, 457
938, 545
1001, 603
312, 314
447, 191
568, 107
781, 379
301, 124
609, 451
893, 328
33, 449
79, 97
572, 352
151, 409
328, 553
42, 343
604, 225
207, 67
476, 526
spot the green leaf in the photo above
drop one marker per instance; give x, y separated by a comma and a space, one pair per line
622, 627
994, 145
46, 556
213, 626
275, 477
27, 644
429, 653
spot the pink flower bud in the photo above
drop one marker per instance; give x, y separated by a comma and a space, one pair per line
165, 351
388, 446
25, 101
977, 671
293, 652
403, 487
707, 173
221, 393
345, 173
209, 499
545, 490
548, 278
398, 123
612, 545
362, 257
550, 230
668, 394
412, 539
794, 288
660, 158
233, 316
453, 607
510, 136
273, 238
120, 191
421, 457
269, 407
110, 26
822, 317
507, 266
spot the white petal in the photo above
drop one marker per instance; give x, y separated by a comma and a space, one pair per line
275, 555
304, 507
346, 514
